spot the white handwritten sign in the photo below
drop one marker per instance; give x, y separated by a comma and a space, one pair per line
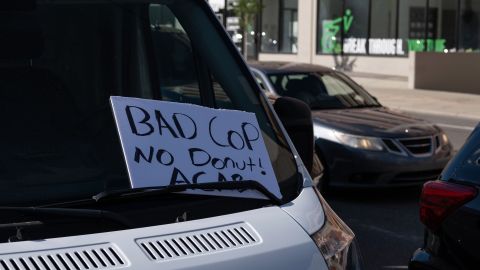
166, 143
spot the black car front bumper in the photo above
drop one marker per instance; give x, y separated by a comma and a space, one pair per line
351, 167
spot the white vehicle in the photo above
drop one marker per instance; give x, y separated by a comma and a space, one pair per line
66, 201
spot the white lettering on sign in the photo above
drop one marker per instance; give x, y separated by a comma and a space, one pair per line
400, 47
355, 45
167, 143
383, 46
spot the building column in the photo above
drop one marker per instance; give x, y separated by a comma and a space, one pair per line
306, 30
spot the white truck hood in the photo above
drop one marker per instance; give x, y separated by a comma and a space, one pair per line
266, 238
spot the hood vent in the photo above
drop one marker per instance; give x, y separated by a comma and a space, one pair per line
163, 248
103, 256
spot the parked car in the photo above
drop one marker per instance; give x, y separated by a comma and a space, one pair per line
66, 200
360, 142
450, 211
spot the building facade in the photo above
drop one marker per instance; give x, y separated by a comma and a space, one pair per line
374, 36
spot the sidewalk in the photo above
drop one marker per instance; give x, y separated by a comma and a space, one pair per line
392, 91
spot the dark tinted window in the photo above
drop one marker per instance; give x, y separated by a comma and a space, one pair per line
222, 100
469, 26
465, 166
174, 57
62, 62
322, 91
355, 25
444, 20
411, 24
280, 26
383, 19
383, 28
329, 26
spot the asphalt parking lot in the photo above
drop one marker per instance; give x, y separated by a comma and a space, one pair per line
386, 221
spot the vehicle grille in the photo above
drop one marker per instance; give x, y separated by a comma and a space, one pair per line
103, 256
418, 146
392, 146
163, 248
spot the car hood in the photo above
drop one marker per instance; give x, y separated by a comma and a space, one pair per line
374, 122
244, 240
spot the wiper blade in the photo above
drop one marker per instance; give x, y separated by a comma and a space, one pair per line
153, 191
42, 213
21, 224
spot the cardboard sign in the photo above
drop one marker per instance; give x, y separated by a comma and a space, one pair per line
167, 143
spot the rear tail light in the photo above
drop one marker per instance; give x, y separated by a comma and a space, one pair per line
439, 199
333, 239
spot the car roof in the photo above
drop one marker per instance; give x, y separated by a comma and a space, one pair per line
286, 67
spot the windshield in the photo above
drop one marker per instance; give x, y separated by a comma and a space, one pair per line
59, 64
330, 90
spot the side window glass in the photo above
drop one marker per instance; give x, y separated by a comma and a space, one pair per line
259, 81
475, 158
292, 84
469, 168
174, 58
222, 100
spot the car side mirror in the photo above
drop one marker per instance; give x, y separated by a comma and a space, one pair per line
296, 117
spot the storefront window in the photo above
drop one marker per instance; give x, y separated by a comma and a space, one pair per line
383, 19
280, 26
443, 15
329, 26
383, 29
411, 25
373, 27
355, 27
469, 40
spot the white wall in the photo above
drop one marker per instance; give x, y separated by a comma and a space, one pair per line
306, 19
398, 66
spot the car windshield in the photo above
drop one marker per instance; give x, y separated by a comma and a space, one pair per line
330, 90
60, 61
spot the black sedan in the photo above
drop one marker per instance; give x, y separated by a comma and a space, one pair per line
450, 211
360, 142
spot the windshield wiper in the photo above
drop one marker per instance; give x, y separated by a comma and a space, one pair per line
41, 213
153, 191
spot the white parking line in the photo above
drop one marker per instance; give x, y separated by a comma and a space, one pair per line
456, 127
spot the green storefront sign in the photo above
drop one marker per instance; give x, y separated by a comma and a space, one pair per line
331, 42
432, 45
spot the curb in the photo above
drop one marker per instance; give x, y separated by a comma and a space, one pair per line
433, 112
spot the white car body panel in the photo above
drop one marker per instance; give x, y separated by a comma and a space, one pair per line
280, 244
307, 210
